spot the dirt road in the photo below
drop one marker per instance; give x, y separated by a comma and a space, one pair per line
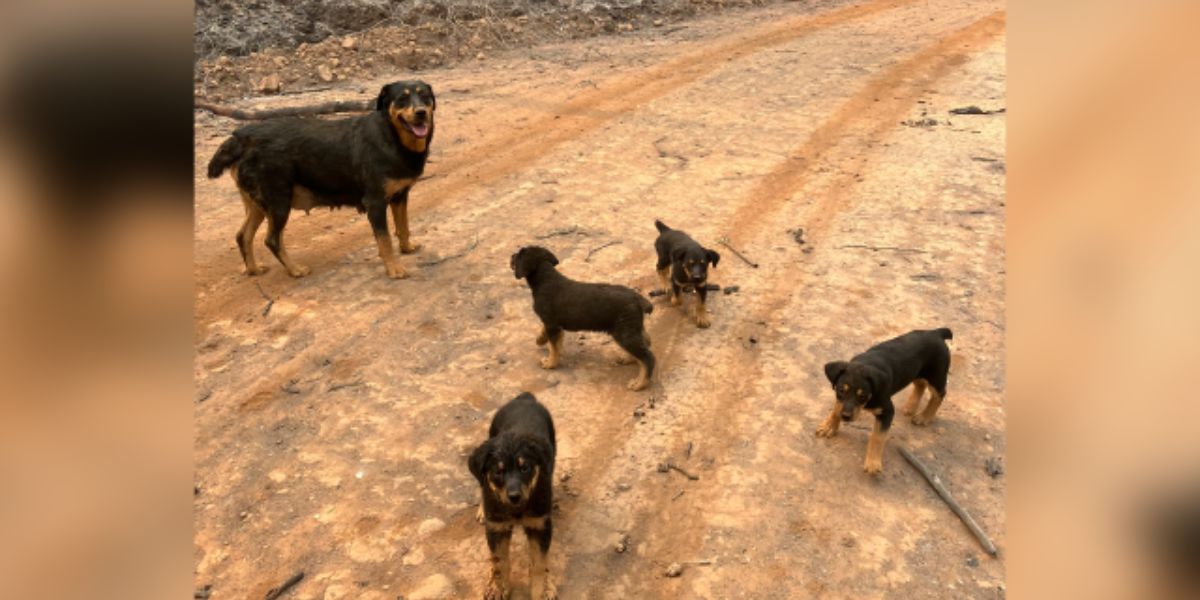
332, 431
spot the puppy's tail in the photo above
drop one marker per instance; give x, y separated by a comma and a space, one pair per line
662, 227
645, 304
945, 333
228, 154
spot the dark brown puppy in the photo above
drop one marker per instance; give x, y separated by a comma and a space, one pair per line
683, 266
566, 305
367, 162
921, 358
515, 470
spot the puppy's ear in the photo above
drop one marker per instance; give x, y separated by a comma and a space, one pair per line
835, 370
678, 254
553, 258
477, 463
713, 257
517, 265
384, 99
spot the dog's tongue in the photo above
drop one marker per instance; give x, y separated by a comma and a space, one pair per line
419, 130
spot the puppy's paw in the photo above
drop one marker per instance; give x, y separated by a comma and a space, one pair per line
409, 248
549, 363
495, 589
479, 515
623, 359
548, 592
638, 384
676, 299
921, 419
703, 322
873, 467
826, 430
259, 270
299, 271
396, 272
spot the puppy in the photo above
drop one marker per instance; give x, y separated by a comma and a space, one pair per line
515, 468
869, 380
368, 162
683, 266
566, 305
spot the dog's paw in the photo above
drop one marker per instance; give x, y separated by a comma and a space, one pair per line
396, 272
873, 467
299, 271
259, 270
638, 384
703, 322
921, 419
479, 515
548, 363
495, 590
623, 359
676, 299
409, 248
826, 430
548, 592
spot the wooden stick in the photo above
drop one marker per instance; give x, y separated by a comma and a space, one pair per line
241, 114
724, 242
588, 258
277, 592
936, 483
270, 300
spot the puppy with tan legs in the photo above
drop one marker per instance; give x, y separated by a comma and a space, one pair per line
869, 380
683, 267
515, 470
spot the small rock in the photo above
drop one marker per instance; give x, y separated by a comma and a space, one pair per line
674, 570
622, 544
658, 22
730, 289
271, 84
325, 73
480, 56
994, 466
972, 561
336, 62
429, 526
349, 43
434, 587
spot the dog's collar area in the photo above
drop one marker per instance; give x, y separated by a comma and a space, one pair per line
689, 286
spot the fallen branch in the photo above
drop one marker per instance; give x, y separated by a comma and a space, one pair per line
285, 586
936, 483
325, 108
667, 466
725, 242
558, 232
337, 386
270, 300
588, 258
879, 248
975, 110
436, 262
711, 287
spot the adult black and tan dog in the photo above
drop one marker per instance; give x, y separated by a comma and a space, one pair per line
868, 380
683, 266
566, 305
515, 469
369, 162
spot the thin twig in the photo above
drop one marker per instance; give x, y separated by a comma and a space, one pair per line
291, 581
725, 242
676, 496
588, 258
664, 467
324, 108
878, 248
337, 386
558, 232
270, 300
436, 262
962, 513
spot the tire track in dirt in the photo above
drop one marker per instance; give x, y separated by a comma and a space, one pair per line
843, 140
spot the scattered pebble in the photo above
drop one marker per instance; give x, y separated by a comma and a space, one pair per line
972, 561
674, 570
622, 544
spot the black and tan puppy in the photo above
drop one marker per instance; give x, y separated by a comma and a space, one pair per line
515, 469
368, 162
682, 267
566, 305
921, 358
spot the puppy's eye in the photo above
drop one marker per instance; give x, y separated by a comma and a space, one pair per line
524, 467
859, 393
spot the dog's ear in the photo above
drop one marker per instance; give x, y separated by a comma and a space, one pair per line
385, 97
553, 258
517, 265
678, 254
478, 461
835, 370
713, 257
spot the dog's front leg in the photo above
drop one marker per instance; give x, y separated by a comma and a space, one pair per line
400, 216
498, 537
377, 215
879, 433
829, 427
701, 316
555, 339
540, 585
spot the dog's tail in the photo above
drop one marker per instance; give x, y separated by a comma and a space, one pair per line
945, 333
228, 154
645, 304
662, 228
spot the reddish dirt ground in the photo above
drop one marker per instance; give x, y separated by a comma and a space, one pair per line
332, 433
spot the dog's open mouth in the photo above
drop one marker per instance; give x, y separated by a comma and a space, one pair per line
418, 129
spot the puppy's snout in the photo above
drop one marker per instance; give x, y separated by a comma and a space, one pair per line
421, 113
514, 497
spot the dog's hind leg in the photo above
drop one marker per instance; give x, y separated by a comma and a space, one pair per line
935, 400
538, 538
277, 219
664, 276
914, 397
555, 339
498, 538
400, 216
635, 342
245, 235
701, 314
